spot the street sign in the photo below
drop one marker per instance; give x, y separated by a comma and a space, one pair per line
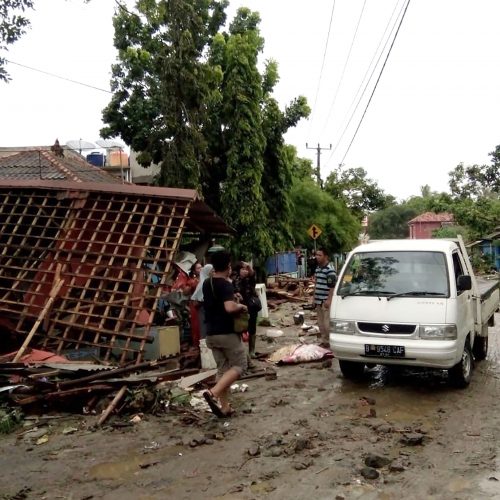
314, 232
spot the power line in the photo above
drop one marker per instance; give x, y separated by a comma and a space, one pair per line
376, 83
322, 66
57, 76
366, 74
345, 66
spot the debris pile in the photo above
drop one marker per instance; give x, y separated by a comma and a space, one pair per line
86, 387
55, 383
287, 289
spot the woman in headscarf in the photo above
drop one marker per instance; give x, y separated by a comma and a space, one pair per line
244, 287
197, 299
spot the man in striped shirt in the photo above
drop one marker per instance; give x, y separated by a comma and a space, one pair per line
325, 279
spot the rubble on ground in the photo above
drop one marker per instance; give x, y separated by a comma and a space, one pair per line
40, 381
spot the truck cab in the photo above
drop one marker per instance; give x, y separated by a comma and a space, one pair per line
410, 303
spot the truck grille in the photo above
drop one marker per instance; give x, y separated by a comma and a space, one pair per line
387, 328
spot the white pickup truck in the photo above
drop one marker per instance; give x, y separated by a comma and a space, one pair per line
412, 303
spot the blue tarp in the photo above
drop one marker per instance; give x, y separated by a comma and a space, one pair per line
281, 263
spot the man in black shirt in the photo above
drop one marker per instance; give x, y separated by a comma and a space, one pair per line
226, 345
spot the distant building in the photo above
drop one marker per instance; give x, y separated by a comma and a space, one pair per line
142, 175
42, 164
423, 226
114, 163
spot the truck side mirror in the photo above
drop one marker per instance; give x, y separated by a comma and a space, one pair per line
464, 282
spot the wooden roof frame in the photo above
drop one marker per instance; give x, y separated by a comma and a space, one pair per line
100, 245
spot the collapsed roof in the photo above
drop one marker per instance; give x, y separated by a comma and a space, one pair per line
96, 249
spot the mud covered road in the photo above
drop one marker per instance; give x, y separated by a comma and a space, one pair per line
308, 434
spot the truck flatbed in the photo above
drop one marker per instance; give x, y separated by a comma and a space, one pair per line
489, 297
486, 286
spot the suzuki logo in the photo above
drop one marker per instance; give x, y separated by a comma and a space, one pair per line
385, 328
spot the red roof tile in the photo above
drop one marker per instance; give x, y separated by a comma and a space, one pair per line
433, 217
37, 165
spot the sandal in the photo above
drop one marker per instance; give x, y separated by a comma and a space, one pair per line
214, 407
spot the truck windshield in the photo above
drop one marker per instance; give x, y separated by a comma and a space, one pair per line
405, 274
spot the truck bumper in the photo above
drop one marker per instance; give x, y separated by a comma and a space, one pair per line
440, 354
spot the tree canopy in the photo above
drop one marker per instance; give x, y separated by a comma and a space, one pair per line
242, 193
192, 99
361, 194
13, 24
312, 205
477, 181
475, 193
474, 202
162, 84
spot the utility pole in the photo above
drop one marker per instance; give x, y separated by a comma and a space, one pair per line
318, 149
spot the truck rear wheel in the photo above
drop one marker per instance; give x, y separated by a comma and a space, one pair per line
351, 369
460, 375
480, 348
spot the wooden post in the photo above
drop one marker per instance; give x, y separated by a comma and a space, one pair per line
112, 405
45, 310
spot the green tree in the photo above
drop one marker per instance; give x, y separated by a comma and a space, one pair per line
279, 159
248, 158
13, 24
476, 195
312, 205
476, 181
431, 202
479, 216
242, 194
303, 168
392, 222
192, 99
162, 84
361, 194
451, 232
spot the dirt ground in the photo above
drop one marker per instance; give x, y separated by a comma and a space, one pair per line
307, 434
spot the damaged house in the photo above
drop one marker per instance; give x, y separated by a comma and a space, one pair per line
84, 258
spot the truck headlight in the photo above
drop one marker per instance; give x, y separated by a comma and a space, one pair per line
438, 332
339, 326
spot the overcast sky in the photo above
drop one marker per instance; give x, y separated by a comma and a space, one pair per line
437, 102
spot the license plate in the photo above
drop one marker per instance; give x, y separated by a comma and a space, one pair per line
385, 351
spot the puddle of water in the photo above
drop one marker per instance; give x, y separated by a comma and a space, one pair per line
131, 464
117, 470
457, 485
404, 395
403, 406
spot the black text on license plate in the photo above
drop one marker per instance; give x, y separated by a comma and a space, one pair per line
385, 351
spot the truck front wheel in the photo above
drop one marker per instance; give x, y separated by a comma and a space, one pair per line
351, 369
480, 348
460, 375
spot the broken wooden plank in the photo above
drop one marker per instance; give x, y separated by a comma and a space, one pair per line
186, 382
112, 405
41, 317
33, 398
113, 373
